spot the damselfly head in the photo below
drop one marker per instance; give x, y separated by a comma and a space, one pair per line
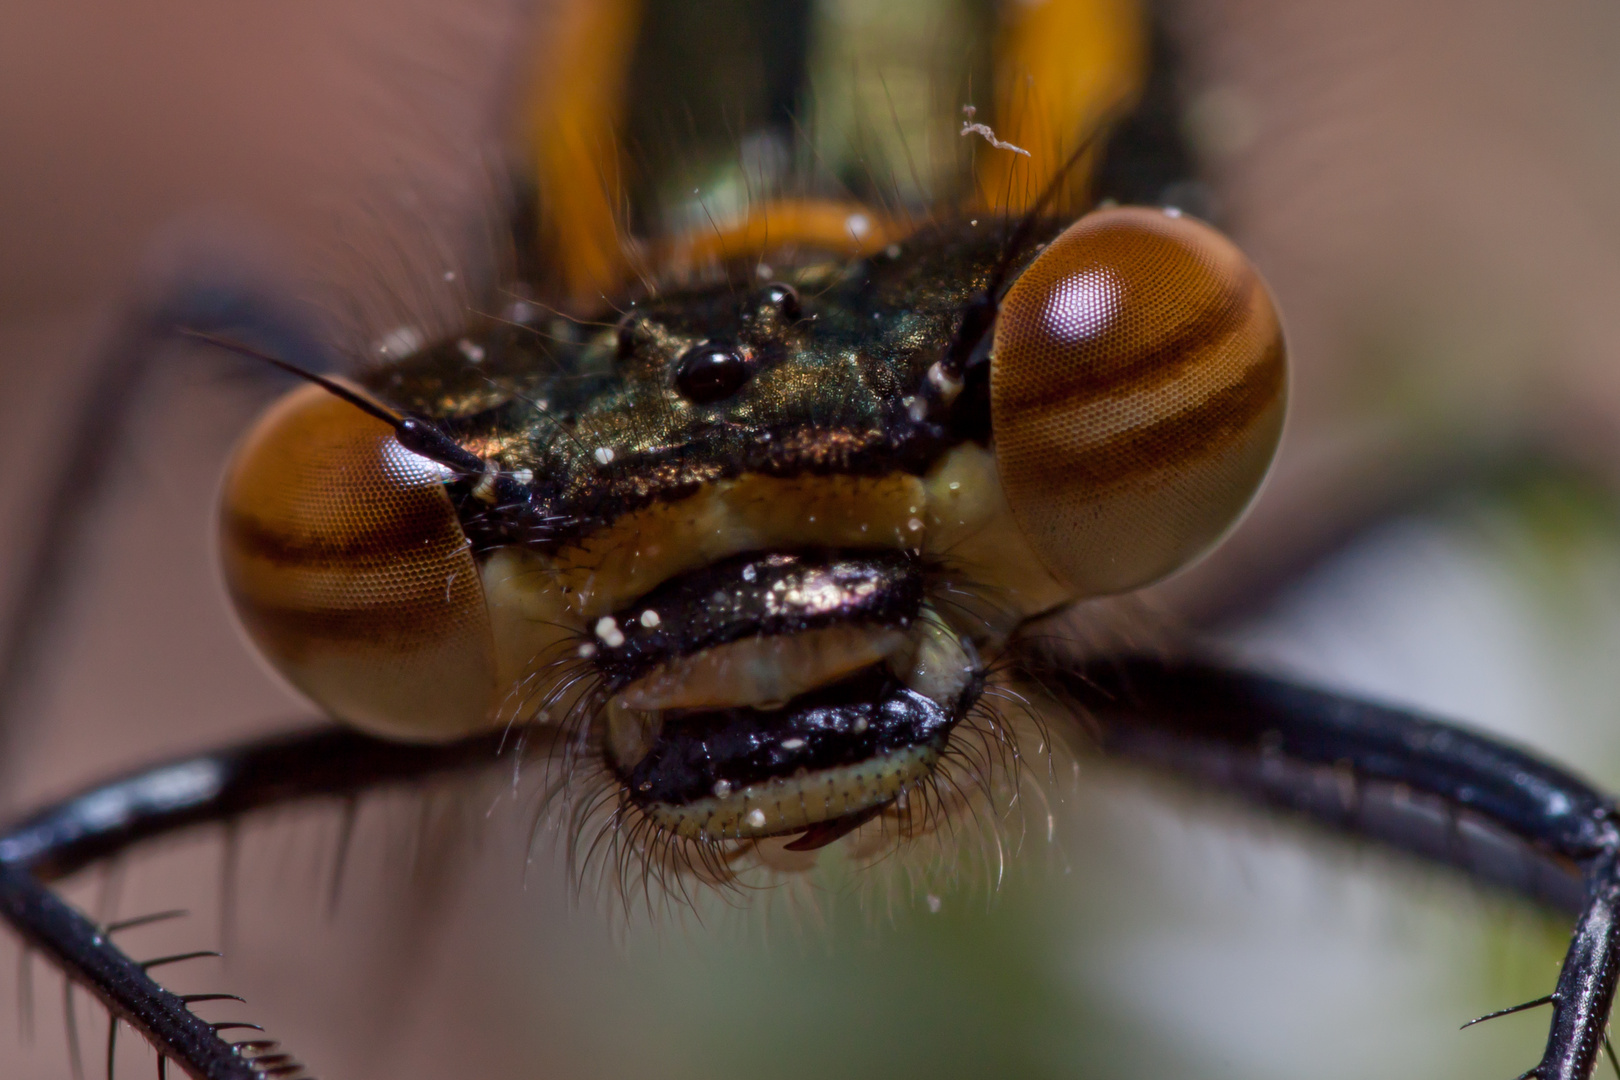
768, 543
756, 502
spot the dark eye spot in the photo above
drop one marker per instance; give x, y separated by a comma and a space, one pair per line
632, 334
784, 298
710, 373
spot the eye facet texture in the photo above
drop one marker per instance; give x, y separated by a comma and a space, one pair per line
1138, 384
351, 573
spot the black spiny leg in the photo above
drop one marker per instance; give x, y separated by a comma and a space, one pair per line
326, 762
205, 297
1539, 829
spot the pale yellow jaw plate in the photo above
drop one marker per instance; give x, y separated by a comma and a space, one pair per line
797, 802
762, 671
543, 606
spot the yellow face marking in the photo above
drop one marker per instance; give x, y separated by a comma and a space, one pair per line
971, 533
762, 671
542, 604
542, 607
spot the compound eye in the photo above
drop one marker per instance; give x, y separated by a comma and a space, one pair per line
1137, 387
351, 573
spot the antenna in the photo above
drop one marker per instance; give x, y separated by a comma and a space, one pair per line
414, 434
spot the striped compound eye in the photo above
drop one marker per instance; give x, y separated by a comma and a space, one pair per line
351, 573
1137, 384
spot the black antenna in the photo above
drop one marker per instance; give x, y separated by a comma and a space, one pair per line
414, 434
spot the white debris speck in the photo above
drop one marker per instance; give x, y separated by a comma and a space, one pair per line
523, 476
1172, 211
971, 128
607, 629
859, 725
587, 650
934, 904
749, 573
603, 455
473, 351
401, 341
990, 137
764, 271
955, 485
858, 226
722, 788
793, 744
449, 275
974, 222
915, 524
650, 619
892, 251
945, 383
755, 819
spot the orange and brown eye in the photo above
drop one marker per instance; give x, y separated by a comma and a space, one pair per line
1138, 382
351, 573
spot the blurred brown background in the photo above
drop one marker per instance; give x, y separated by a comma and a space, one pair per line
1429, 188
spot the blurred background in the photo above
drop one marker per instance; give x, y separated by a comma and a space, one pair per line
1429, 190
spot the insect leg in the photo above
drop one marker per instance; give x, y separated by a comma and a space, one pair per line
326, 762
1417, 783
1586, 983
